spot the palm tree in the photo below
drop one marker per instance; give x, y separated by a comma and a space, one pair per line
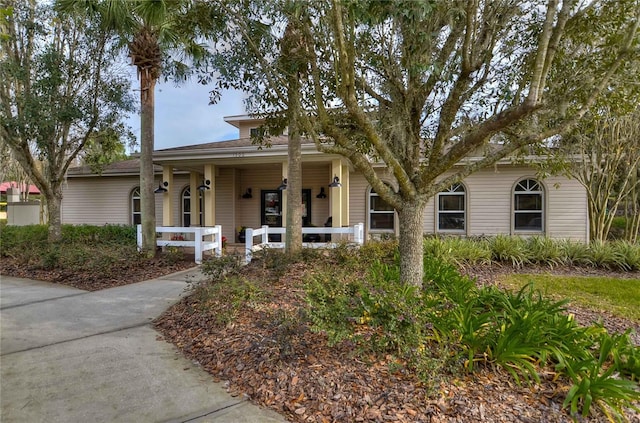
160, 35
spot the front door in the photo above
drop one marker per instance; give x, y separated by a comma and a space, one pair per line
271, 212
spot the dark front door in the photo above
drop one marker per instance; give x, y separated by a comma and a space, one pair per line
271, 213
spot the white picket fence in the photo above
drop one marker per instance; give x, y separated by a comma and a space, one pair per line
199, 244
354, 233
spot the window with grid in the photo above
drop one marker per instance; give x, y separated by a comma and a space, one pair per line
136, 215
381, 214
186, 207
528, 206
451, 209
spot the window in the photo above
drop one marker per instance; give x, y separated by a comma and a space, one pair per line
186, 207
381, 214
528, 206
451, 209
136, 216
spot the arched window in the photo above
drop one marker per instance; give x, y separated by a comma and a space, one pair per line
186, 207
136, 215
528, 206
451, 209
381, 214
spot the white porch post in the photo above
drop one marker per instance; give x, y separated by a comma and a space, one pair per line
194, 180
167, 207
344, 179
209, 198
336, 196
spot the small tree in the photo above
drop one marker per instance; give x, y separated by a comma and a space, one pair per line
59, 88
604, 154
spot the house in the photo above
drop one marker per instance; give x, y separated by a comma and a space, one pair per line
235, 184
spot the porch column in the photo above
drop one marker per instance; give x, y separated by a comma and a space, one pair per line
194, 180
209, 197
336, 195
167, 208
283, 206
344, 179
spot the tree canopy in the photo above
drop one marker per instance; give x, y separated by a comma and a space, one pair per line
422, 85
60, 88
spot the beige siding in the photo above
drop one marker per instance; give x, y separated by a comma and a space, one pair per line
489, 200
358, 188
489, 203
567, 210
314, 177
100, 200
227, 194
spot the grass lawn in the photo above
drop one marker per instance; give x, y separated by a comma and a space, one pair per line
620, 297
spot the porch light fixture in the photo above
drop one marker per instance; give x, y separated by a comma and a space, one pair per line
283, 185
336, 182
205, 185
322, 193
247, 194
162, 188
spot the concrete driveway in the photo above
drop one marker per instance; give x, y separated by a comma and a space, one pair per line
68, 355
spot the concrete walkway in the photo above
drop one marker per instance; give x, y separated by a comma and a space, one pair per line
68, 355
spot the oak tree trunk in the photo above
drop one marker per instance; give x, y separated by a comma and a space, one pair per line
411, 243
293, 224
54, 214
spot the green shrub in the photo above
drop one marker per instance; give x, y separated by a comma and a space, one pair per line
218, 267
452, 324
27, 242
91, 234
18, 241
332, 304
225, 298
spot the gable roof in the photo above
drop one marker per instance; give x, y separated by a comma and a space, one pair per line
123, 168
240, 142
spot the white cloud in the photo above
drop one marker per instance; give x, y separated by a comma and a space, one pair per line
183, 115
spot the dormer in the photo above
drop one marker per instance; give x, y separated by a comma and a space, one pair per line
245, 124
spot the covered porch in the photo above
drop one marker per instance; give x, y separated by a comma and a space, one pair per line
245, 187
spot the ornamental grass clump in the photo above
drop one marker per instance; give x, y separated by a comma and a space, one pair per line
457, 250
604, 254
509, 249
545, 251
629, 252
575, 253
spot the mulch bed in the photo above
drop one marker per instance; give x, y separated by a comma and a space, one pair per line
125, 273
273, 359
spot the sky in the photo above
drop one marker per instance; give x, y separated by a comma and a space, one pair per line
184, 116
